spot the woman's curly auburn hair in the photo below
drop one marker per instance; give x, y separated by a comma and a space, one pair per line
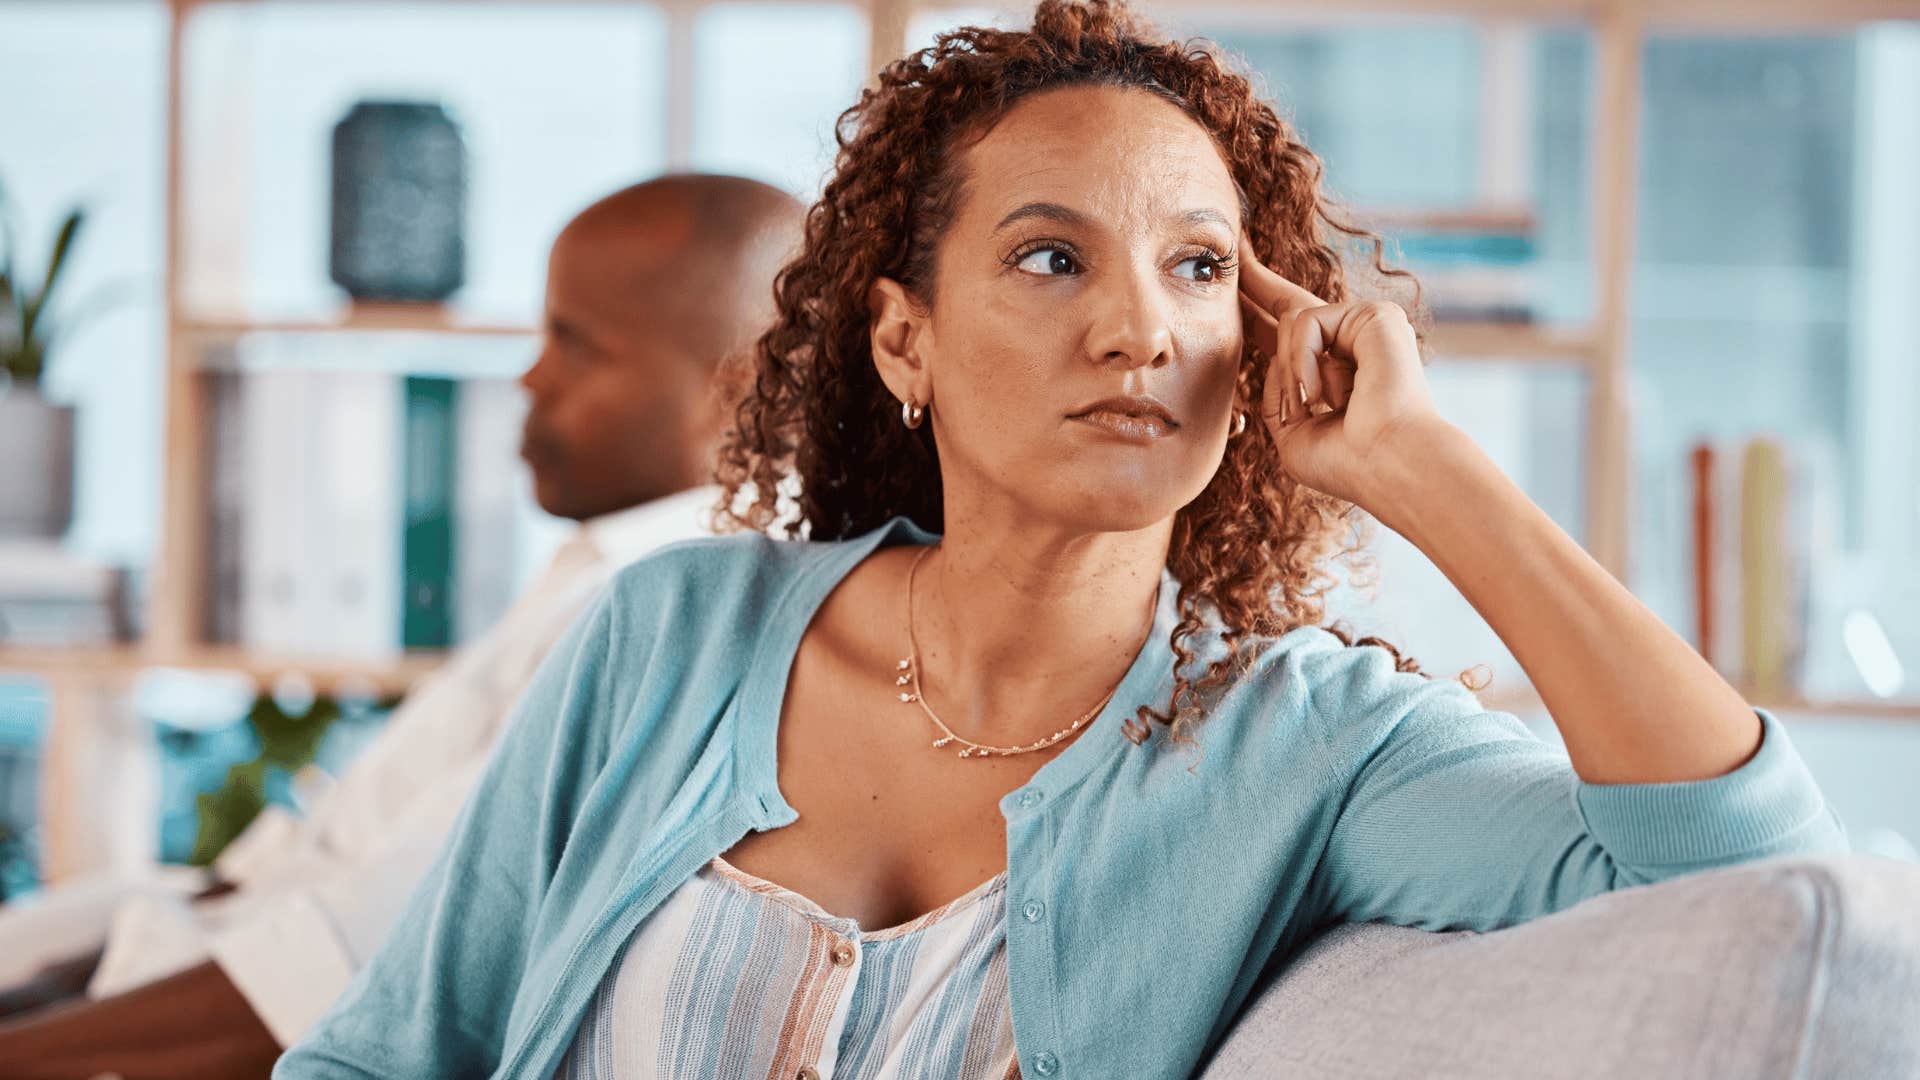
1253, 545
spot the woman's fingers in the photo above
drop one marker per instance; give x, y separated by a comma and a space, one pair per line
1268, 339
1307, 341
1261, 328
1275, 294
1290, 364
1337, 375
1275, 305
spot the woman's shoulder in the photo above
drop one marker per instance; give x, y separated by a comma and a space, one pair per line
1337, 687
706, 563
743, 571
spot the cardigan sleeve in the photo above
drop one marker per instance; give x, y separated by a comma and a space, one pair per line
434, 998
1455, 817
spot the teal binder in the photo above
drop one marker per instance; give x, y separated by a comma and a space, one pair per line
426, 594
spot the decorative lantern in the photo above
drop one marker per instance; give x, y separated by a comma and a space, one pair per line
399, 202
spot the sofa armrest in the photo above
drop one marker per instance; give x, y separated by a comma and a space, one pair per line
1789, 966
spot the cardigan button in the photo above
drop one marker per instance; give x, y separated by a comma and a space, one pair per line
842, 954
1045, 1064
1030, 798
1033, 910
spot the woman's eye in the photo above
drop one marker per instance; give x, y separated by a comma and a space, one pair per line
1205, 268
1047, 261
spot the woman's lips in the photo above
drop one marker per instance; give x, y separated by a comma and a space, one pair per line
1127, 426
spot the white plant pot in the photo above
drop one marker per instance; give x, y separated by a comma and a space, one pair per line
36, 464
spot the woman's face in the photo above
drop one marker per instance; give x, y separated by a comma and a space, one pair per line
1084, 333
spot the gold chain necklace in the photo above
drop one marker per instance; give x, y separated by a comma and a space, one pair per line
909, 675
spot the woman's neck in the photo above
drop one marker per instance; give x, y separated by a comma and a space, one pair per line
1022, 629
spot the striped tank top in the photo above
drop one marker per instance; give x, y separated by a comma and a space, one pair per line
735, 977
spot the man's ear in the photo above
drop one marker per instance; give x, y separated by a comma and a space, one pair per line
899, 335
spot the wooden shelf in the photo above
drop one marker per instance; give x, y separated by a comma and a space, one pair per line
95, 661
1482, 218
1841, 708
1506, 342
357, 319
115, 662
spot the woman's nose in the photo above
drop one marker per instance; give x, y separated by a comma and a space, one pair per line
1130, 326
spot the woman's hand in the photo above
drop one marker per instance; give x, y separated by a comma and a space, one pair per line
1369, 385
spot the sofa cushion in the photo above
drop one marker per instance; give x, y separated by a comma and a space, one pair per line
1788, 966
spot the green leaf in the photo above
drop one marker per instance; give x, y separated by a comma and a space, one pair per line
27, 362
226, 812
290, 742
286, 743
9, 316
6, 237
62, 243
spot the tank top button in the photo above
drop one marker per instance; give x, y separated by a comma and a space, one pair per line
842, 954
806, 1073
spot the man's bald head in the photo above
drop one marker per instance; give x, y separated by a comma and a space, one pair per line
702, 248
648, 291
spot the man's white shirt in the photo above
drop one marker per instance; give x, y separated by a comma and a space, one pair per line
317, 894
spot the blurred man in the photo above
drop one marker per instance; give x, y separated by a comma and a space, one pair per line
648, 291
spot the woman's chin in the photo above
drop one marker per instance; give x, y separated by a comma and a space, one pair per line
1126, 503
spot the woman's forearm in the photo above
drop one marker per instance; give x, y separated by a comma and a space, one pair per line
1633, 700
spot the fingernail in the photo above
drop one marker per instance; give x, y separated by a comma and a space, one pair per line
1303, 393
1283, 410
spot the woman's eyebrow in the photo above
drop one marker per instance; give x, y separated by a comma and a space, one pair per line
1046, 211
1206, 217
1068, 216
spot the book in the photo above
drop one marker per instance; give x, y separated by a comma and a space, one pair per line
357, 550
225, 476
1702, 461
1765, 576
430, 477
1764, 529
1473, 275
54, 597
279, 433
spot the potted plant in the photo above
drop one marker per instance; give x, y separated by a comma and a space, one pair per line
36, 435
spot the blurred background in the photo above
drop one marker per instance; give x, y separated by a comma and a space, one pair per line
1674, 257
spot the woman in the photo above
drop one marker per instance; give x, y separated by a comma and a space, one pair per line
1078, 408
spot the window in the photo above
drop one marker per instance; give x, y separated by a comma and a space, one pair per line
558, 106
761, 106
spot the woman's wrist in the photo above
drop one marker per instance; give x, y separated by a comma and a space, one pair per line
1418, 462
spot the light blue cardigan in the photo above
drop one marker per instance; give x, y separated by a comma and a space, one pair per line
1146, 894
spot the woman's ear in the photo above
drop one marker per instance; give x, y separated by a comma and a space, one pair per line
899, 336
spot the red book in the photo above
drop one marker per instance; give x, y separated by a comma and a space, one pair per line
1703, 544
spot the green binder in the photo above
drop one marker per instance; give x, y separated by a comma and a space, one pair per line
426, 594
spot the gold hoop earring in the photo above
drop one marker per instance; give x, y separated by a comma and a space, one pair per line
911, 414
1239, 424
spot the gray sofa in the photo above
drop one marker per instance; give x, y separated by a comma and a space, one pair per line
1793, 966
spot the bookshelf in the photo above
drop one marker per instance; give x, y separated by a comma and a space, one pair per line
354, 318
1600, 349
117, 662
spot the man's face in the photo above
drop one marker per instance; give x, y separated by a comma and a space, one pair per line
619, 412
